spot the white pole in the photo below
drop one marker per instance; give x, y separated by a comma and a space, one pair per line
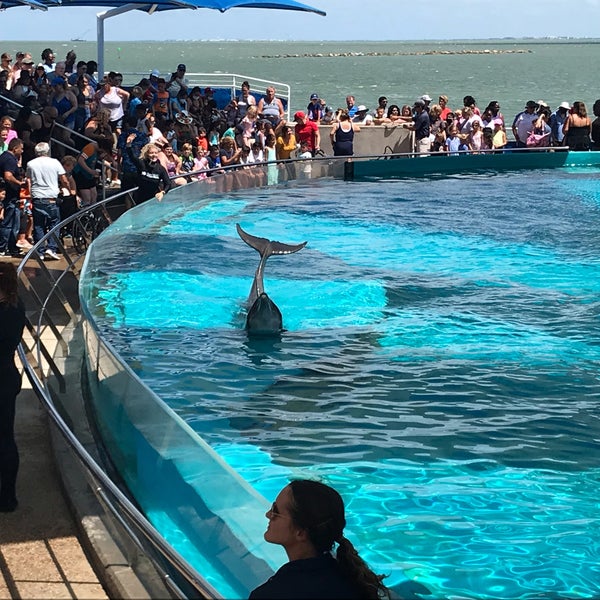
100, 18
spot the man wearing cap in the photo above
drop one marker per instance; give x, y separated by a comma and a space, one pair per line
307, 131
422, 128
270, 107
426, 99
556, 122
362, 116
314, 110
178, 81
523, 123
24, 62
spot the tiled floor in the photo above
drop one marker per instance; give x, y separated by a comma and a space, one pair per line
40, 555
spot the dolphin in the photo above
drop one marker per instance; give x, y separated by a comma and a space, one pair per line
264, 318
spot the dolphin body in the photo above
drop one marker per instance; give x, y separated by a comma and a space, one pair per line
264, 318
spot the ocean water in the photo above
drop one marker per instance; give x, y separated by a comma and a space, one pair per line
440, 365
513, 71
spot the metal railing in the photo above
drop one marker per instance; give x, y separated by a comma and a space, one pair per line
53, 315
230, 81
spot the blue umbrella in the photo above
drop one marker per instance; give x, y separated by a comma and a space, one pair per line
30, 3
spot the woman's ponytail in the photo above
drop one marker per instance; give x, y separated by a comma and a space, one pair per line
356, 569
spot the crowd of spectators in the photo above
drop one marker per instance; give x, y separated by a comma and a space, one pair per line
438, 128
191, 136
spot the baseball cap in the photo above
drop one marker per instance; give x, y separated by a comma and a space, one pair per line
155, 73
426, 98
362, 108
565, 105
299, 115
530, 104
314, 96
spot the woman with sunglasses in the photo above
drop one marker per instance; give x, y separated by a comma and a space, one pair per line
308, 520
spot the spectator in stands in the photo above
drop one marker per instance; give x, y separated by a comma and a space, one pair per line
113, 99
85, 98
153, 180
499, 140
596, 126
270, 107
351, 106
128, 167
577, 128
80, 71
92, 68
314, 110
362, 116
556, 122
178, 81
244, 100
65, 102
443, 102
39, 78
307, 131
342, 135
48, 60
285, 141
523, 123
421, 127
70, 61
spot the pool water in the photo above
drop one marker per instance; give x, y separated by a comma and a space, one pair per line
439, 365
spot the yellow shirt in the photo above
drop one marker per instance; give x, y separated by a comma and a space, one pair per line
284, 150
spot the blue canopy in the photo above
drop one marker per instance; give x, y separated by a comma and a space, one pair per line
30, 3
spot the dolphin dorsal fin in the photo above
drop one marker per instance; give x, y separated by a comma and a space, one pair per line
267, 247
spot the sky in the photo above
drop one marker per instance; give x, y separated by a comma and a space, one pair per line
345, 20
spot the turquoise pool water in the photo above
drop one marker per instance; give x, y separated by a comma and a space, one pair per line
439, 368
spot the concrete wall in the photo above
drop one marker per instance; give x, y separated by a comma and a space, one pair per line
375, 139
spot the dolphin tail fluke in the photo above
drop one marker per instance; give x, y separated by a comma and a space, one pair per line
264, 246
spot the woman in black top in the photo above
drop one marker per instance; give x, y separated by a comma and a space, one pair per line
153, 179
342, 135
307, 519
12, 323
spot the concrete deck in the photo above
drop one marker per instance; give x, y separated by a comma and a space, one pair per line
40, 554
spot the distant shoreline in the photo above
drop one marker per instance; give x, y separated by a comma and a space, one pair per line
469, 41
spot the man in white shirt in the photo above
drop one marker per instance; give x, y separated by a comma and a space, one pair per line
523, 123
362, 116
46, 176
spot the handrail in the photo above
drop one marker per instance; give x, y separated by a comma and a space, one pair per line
233, 81
110, 495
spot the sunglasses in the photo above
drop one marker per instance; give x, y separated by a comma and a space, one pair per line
275, 511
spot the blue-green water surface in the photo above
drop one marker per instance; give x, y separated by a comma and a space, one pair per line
439, 365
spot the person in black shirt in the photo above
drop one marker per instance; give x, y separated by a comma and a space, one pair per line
12, 323
307, 519
12, 178
153, 179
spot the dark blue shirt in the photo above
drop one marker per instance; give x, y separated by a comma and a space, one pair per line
308, 578
141, 139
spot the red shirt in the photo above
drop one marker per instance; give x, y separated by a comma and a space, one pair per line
305, 132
